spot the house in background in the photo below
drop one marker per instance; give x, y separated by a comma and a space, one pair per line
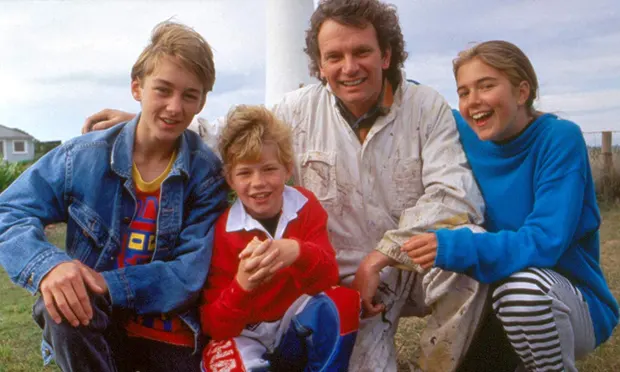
16, 145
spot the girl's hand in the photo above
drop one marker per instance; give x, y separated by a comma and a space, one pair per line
422, 249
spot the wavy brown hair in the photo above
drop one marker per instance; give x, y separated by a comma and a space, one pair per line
359, 13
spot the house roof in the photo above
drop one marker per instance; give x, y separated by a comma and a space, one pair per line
13, 133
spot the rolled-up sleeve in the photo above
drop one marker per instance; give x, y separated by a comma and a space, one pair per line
451, 197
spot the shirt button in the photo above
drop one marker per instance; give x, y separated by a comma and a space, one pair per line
126, 220
31, 279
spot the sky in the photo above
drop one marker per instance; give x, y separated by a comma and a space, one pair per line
61, 61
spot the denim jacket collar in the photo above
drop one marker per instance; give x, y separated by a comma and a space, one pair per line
121, 160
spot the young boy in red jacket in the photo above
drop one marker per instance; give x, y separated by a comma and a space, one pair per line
270, 301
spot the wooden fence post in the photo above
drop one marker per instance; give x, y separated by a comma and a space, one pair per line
607, 166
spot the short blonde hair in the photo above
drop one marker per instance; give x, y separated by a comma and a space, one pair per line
507, 58
248, 128
177, 40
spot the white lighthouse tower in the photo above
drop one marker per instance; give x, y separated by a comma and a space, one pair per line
286, 62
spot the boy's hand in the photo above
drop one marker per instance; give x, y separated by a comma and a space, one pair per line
105, 119
96, 282
258, 278
272, 257
422, 249
259, 255
288, 252
249, 249
256, 262
261, 260
64, 292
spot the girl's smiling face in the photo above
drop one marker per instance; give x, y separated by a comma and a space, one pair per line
492, 106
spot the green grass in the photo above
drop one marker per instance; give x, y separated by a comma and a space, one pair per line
607, 357
20, 337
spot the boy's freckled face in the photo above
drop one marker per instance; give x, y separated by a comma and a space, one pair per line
170, 98
259, 185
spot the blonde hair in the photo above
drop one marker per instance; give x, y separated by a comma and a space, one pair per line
507, 58
248, 128
177, 40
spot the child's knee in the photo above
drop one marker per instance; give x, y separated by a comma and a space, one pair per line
331, 314
347, 304
332, 318
100, 321
523, 288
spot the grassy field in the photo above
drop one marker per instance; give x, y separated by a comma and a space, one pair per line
20, 337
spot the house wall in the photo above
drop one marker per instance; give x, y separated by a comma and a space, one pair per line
12, 157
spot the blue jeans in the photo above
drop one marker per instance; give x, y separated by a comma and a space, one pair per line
103, 344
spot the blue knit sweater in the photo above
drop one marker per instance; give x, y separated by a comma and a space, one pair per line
541, 212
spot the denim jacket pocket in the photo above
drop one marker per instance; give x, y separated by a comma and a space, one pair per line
87, 232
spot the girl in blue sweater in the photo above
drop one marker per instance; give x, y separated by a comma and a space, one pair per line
541, 251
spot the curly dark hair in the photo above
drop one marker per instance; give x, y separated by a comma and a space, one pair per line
359, 13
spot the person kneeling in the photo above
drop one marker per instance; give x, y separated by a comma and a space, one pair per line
270, 301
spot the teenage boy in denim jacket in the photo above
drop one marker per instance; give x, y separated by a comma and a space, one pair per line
140, 201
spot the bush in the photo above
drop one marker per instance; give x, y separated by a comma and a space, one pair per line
10, 171
43, 147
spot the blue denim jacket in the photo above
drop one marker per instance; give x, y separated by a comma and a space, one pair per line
87, 182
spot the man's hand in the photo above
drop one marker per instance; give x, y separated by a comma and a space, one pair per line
105, 119
367, 280
422, 249
64, 292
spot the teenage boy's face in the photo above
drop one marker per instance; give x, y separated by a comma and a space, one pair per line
260, 185
352, 63
170, 97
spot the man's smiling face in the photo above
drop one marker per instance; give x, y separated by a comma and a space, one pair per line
352, 63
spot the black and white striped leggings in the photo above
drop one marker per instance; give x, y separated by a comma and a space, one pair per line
545, 318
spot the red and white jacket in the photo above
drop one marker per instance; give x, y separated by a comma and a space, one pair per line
227, 308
